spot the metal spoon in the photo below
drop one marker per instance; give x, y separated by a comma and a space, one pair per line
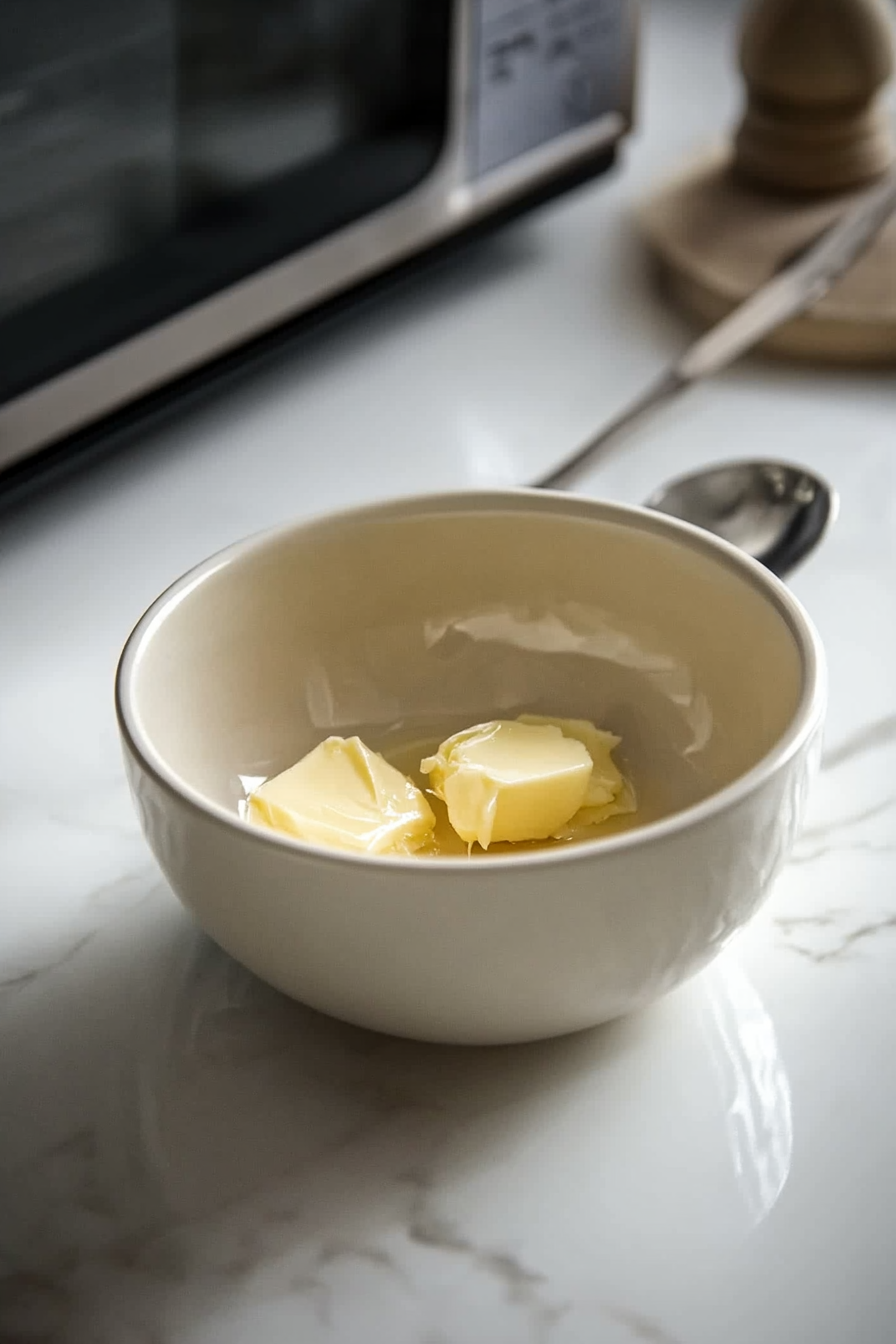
794, 288
776, 512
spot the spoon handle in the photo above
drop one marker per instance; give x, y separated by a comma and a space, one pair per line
663, 390
794, 289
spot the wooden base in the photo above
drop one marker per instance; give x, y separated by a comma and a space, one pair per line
717, 239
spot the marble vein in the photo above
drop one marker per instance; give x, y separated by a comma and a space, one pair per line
521, 1286
835, 827
804, 856
112, 895
871, 737
346, 1250
12, 984
837, 835
847, 939
642, 1328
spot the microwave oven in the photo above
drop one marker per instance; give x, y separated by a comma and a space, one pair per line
184, 180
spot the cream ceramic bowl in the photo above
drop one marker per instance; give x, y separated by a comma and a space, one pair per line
443, 611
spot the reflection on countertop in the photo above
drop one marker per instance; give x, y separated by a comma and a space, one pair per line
196, 1134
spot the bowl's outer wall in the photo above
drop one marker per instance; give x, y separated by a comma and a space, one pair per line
489, 953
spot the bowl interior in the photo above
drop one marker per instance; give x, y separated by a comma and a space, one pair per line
412, 620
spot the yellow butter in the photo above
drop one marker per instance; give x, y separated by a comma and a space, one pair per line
508, 780
609, 794
346, 796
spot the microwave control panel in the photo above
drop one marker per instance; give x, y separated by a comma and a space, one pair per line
543, 68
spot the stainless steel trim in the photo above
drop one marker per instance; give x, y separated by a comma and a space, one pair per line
446, 202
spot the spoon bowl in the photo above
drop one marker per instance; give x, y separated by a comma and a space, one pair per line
774, 511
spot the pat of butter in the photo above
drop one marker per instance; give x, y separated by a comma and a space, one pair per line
608, 794
508, 780
346, 796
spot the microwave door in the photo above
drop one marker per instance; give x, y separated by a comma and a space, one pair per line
156, 152
182, 177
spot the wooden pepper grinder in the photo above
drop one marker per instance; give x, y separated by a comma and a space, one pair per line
814, 134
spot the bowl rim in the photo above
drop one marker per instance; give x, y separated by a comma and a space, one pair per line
806, 719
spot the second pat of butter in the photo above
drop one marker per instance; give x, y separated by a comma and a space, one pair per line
609, 794
507, 780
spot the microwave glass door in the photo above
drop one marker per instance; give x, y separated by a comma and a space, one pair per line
153, 152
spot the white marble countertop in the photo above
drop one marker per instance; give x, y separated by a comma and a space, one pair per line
188, 1158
